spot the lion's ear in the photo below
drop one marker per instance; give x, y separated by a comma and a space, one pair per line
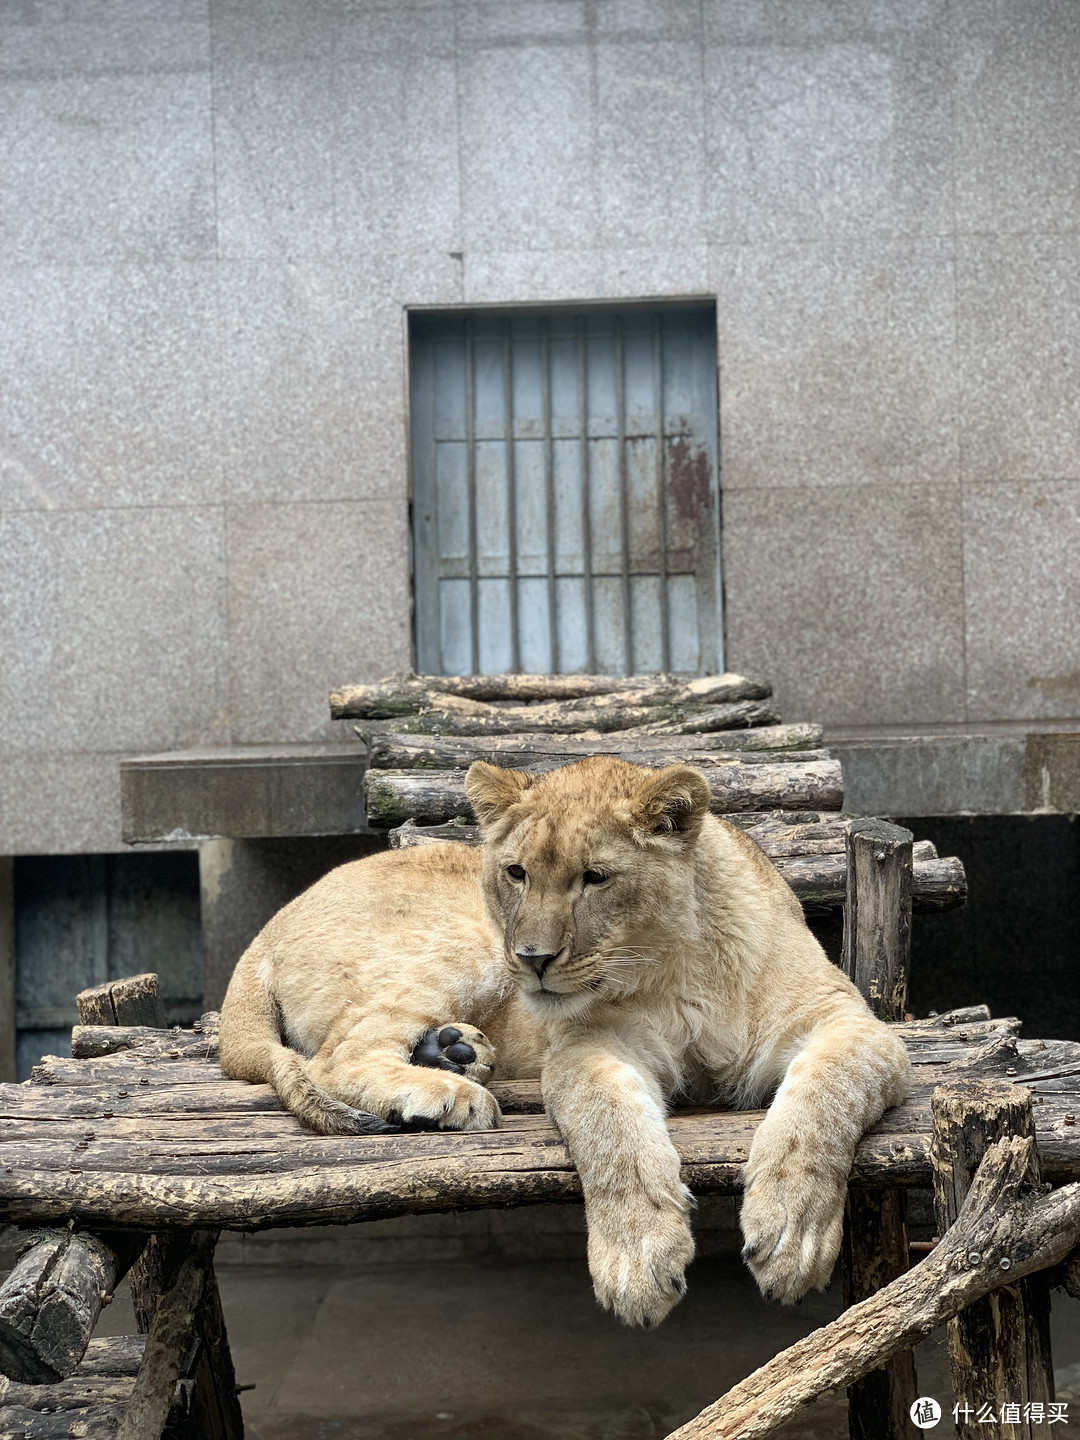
492, 790
672, 802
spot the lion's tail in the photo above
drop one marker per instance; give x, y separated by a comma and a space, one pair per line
252, 1049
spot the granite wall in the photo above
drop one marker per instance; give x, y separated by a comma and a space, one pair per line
214, 214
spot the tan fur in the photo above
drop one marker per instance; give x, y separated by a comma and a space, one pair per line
687, 973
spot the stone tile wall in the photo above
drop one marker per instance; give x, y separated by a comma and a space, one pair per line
212, 221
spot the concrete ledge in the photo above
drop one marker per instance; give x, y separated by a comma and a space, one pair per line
276, 792
251, 792
960, 774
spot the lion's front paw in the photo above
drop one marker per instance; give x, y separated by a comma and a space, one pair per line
792, 1223
437, 1100
638, 1252
460, 1048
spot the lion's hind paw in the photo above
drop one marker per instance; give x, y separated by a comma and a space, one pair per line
460, 1048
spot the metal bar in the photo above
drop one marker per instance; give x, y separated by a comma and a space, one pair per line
470, 453
511, 493
661, 492
549, 486
624, 502
586, 516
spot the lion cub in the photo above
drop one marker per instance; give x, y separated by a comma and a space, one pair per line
629, 948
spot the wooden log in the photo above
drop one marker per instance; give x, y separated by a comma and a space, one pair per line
877, 914
394, 751
408, 694
50, 1303
995, 1224
135, 1000
571, 717
819, 880
394, 796
691, 721
999, 1346
168, 1338
143, 1042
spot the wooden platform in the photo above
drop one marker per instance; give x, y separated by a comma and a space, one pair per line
153, 1135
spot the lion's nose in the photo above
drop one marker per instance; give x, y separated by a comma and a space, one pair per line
534, 961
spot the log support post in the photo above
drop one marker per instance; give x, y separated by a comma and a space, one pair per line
999, 1347
173, 1288
877, 948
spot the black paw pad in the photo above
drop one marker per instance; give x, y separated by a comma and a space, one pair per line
443, 1050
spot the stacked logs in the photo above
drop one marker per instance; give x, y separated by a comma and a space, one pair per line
424, 731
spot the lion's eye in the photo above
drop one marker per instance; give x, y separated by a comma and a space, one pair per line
516, 872
594, 877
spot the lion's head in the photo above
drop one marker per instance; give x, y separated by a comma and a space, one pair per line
585, 868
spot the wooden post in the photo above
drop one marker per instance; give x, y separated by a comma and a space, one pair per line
133, 1001
999, 1347
877, 914
169, 1336
876, 954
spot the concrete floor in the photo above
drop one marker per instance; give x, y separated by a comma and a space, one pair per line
499, 1351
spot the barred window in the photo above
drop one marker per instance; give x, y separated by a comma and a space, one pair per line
565, 503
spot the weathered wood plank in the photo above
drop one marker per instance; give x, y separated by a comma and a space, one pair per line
195, 1129
393, 751
408, 694
394, 796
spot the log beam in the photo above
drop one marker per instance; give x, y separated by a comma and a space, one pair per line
394, 751
393, 796
50, 1303
819, 878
